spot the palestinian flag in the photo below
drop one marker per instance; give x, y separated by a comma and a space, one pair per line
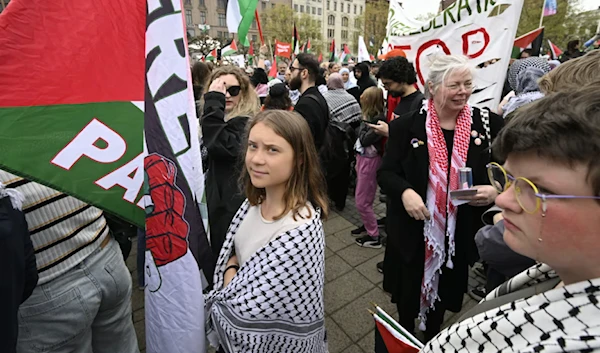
395, 337
307, 47
229, 49
345, 56
251, 54
273, 71
240, 14
120, 135
332, 52
296, 41
212, 56
531, 40
320, 57
555, 51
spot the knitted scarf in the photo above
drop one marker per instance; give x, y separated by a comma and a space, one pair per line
443, 214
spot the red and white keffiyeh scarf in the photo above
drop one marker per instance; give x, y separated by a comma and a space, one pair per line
443, 213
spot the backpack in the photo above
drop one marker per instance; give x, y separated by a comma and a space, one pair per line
338, 141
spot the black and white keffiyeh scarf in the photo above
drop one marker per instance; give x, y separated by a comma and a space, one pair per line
564, 319
275, 301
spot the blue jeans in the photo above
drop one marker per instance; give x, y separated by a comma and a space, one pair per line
87, 309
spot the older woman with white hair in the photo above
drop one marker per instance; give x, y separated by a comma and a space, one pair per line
431, 239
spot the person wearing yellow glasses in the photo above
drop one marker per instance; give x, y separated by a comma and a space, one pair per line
549, 190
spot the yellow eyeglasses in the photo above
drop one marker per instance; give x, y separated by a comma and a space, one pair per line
527, 194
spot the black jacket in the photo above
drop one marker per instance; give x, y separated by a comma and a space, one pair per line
405, 167
223, 140
315, 112
18, 276
368, 137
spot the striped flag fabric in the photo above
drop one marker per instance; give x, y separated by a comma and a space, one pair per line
296, 41
212, 56
307, 47
395, 337
531, 40
229, 49
240, 14
119, 136
555, 51
332, 52
345, 56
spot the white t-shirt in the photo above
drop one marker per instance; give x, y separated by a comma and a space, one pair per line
256, 232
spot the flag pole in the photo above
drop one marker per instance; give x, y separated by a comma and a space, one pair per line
260, 33
542, 16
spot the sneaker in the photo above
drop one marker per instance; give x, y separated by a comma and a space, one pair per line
381, 222
478, 293
367, 242
380, 267
359, 231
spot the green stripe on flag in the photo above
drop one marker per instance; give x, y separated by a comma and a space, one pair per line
247, 8
31, 137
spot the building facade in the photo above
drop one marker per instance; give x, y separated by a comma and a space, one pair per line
341, 19
210, 16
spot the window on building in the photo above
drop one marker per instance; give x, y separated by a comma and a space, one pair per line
254, 24
319, 11
203, 17
222, 4
357, 23
334, 6
344, 21
263, 5
222, 20
331, 33
188, 17
348, 8
314, 10
296, 7
202, 3
355, 9
361, 10
328, 3
301, 8
331, 20
220, 34
254, 38
188, 2
344, 34
320, 24
272, 5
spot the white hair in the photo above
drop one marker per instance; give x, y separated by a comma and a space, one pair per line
442, 66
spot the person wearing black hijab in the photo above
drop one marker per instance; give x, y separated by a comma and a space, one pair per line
259, 81
363, 80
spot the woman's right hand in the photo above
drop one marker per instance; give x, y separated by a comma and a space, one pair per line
414, 205
218, 85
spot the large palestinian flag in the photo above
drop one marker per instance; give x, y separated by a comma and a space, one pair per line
96, 101
71, 99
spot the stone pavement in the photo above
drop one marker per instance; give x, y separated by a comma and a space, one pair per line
352, 283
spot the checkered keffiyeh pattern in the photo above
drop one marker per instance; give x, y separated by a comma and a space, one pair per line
443, 213
275, 301
564, 319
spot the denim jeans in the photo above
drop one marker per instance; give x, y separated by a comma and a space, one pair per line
87, 309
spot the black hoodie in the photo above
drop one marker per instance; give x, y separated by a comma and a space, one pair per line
365, 80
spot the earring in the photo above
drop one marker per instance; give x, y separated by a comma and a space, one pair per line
540, 240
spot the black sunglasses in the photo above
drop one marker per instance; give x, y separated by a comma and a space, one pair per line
234, 90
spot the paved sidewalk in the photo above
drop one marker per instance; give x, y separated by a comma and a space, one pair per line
351, 284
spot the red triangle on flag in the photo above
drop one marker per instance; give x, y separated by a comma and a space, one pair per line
526, 39
393, 344
321, 57
556, 52
233, 45
273, 71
